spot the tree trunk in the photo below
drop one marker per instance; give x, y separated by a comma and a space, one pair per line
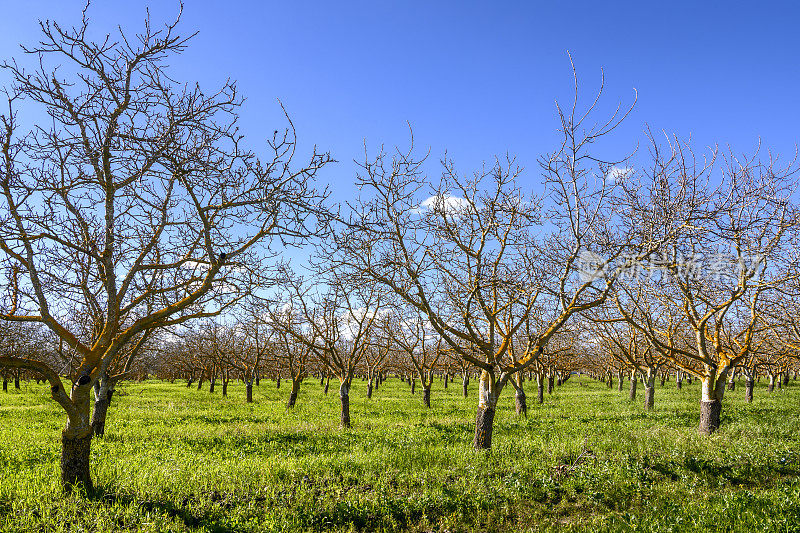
649, 397
484, 423
200, 384
650, 389
426, 396
446, 377
713, 389
278, 382
678, 380
539, 388
211, 385
327, 384
521, 402
369, 388
785, 380
5, 384
16, 380
732, 382
748, 390
76, 440
293, 394
344, 397
225, 387
550, 384
413, 385
634, 384
484, 420
771, 386
75, 453
102, 401
464, 384
709, 416
620, 380
249, 391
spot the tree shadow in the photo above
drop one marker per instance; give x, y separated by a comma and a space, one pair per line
205, 521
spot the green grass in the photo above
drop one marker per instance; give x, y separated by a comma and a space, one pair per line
178, 459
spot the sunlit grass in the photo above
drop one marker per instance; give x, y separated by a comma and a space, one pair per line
178, 459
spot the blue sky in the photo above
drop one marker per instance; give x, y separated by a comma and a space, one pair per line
476, 78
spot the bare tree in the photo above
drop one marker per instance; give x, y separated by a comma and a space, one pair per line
417, 344
137, 203
476, 254
712, 273
336, 317
292, 348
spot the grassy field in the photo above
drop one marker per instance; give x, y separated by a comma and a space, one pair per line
178, 459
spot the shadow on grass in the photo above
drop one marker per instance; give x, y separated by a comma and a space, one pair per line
206, 521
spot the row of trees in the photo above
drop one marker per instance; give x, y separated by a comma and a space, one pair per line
211, 353
137, 209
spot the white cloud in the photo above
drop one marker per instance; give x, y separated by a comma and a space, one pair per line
446, 204
616, 173
193, 265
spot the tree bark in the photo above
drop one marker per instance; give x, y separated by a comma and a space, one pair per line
426, 397
102, 402
369, 388
678, 380
76, 439
620, 380
293, 394
713, 389
550, 384
75, 453
649, 397
464, 384
771, 386
249, 391
445, 380
650, 389
484, 420
344, 397
484, 423
539, 388
732, 382
748, 390
224, 387
16, 380
521, 403
634, 384
709, 416
327, 384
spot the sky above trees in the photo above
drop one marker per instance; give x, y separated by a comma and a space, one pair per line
475, 78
